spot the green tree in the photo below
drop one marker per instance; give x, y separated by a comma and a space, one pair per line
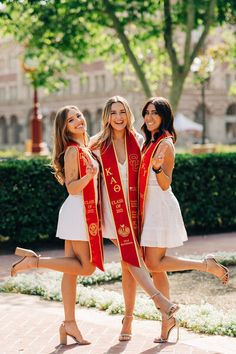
136, 30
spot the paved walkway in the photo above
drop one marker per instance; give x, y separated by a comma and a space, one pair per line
30, 325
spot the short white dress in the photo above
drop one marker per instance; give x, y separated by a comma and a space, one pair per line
71, 220
163, 223
108, 225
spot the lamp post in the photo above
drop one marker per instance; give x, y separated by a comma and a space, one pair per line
36, 121
202, 67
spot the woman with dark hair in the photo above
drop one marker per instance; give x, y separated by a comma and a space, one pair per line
161, 221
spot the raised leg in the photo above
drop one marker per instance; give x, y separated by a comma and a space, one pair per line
155, 263
70, 265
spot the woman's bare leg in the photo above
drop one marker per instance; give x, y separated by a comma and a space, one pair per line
68, 288
161, 282
142, 276
69, 265
156, 261
129, 286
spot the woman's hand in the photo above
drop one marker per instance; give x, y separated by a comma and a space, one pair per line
91, 170
159, 158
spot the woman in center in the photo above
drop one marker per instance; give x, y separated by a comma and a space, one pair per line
118, 148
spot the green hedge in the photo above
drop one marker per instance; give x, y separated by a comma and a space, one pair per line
30, 197
30, 200
205, 186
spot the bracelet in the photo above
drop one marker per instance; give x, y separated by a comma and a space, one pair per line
159, 170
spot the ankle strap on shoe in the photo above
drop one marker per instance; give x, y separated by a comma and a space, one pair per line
70, 321
156, 294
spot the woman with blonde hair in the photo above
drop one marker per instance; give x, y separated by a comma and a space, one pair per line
79, 219
118, 148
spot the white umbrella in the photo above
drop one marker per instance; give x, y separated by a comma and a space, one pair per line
183, 124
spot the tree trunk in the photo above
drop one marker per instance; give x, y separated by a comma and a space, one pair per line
176, 90
127, 48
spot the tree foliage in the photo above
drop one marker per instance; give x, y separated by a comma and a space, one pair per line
159, 39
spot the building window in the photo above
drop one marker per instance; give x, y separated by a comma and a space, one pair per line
231, 110
97, 121
231, 132
100, 82
84, 84
67, 89
12, 64
12, 92
2, 65
230, 125
15, 130
2, 94
88, 118
3, 131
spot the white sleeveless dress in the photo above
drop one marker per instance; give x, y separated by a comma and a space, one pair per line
71, 220
108, 225
163, 223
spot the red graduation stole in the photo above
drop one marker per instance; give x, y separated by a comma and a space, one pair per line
92, 211
126, 223
147, 154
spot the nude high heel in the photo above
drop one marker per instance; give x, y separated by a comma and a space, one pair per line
24, 253
225, 277
164, 340
63, 335
125, 337
171, 310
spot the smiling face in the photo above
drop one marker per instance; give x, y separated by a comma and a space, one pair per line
152, 118
118, 117
75, 123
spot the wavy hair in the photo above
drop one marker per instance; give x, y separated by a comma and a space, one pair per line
164, 110
105, 135
61, 139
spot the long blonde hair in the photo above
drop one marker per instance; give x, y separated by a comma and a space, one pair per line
61, 139
105, 135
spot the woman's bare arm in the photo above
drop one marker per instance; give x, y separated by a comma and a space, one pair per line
74, 183
164, 158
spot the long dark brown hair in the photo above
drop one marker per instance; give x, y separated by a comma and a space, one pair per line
163, 109
61, 139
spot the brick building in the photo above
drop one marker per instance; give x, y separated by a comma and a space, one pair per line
90, 88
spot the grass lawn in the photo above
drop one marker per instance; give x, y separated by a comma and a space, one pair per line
196, 288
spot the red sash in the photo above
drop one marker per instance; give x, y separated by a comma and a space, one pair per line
125, 216
147, 154
92, 212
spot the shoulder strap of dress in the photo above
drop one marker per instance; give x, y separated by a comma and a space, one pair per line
169, 141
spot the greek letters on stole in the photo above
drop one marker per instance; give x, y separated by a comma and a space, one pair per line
125, 215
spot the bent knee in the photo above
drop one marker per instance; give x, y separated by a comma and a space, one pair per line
153, 265
88, 269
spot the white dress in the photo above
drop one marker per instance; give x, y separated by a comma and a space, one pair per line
108, 225
163, 223
71, 220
